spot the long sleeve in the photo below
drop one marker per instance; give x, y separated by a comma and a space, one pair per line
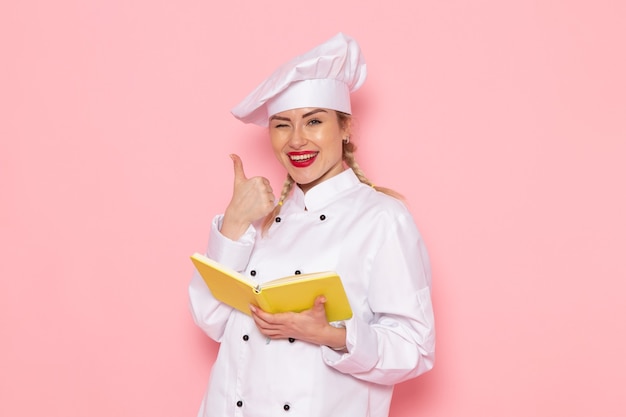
208, 313
399, 342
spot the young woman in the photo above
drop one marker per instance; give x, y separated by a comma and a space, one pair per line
329, 217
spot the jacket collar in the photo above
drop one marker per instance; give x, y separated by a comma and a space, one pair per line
323, 194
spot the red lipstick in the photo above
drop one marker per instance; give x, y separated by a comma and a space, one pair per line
302, 159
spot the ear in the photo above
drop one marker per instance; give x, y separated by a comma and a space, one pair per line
346, 129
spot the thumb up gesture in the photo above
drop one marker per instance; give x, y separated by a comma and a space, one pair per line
252, 199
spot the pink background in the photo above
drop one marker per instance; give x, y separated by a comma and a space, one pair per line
502, 122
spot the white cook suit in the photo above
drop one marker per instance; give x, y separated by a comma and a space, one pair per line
371, 240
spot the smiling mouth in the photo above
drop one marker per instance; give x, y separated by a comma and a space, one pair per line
302, 157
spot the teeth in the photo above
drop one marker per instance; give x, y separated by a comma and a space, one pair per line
302, 157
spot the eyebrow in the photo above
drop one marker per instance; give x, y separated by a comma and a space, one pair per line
287, 119
312, 112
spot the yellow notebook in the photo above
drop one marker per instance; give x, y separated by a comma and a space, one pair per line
293, 293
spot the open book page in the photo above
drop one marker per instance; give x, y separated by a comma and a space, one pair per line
294, 278
299, 295
293, 293
227, 285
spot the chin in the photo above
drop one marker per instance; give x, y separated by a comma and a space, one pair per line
301, 179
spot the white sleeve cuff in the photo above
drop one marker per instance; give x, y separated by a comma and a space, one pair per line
361, 356
233, 254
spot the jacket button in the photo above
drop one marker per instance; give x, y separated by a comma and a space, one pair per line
322, 217
245, 337
298, 272
291, 340
239, 403
253, 272
277, 219
286, 407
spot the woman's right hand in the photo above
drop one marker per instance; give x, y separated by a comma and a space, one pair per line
252, 200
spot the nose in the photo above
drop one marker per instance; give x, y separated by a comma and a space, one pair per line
297, 139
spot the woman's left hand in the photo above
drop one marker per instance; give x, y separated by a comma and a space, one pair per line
309, 325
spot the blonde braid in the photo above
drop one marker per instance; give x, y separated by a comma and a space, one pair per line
348, 156
346, 122
269, 219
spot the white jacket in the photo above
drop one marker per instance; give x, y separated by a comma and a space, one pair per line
370, 239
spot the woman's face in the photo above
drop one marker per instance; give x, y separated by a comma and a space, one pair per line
308, 142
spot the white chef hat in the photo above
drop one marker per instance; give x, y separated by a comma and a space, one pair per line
323, 77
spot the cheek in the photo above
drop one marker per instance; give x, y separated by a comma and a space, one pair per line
335, 148
276, 145
279, 155
278, 148
329, 140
